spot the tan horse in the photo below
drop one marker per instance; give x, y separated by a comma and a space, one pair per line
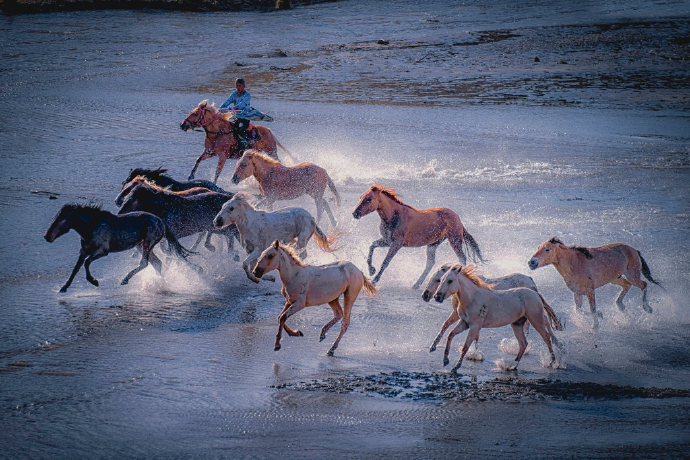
585, 269
220, 140
404, 226
310, 285
278, 182
501, 283
480, 306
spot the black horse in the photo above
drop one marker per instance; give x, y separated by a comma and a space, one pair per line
158, 177
103, 232
183, 215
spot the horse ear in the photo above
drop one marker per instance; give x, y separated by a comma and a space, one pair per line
276, 243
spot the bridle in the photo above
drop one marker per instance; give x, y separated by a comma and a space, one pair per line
200, 123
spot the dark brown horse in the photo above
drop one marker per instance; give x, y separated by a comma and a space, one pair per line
103, 232
159, 177
220, 140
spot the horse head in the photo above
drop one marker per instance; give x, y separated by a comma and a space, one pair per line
231, 210
61, 224
546, 253
435, 281
195, 118
268, 260
127, 189
449, 284
244, 167
368, 203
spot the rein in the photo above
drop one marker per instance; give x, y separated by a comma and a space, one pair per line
200, 123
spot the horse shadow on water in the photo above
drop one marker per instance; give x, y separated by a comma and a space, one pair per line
103, 232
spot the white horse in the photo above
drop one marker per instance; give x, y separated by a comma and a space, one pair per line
309, 285
258, 229
480, 306
501, 283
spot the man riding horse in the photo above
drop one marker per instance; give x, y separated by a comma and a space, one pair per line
240, 103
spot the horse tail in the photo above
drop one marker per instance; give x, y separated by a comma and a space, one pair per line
369, 288
286, 151
472, 246
323, 241
645, 270
551, 314
331, 185
172, 241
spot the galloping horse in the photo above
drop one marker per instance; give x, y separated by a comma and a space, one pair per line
404, 226
158, 177
258, 229
141, 180
103, 232
480, 306
585, 269
278, 182
184, 215
310, 285
220, 139
500, 284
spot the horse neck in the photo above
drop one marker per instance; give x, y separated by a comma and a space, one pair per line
243, 220
263, 169
287, 267
85, 222
388, 208
467, 291
564, 262
164, 181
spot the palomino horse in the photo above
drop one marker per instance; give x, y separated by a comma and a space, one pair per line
309, 285
278, 182
585, 269
220, 139
500, 284
404, 226
103, 232
158, 177
184, 215
258, 229
480, 306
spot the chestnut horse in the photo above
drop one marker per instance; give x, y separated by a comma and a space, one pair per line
278, 182
404, 226
220, 139
585, 269
310, 285
480, 306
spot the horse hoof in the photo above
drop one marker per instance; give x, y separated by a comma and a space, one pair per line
647, 308
236, 258
321, 339
330, 353
372, 270
94, 282
432, 348
620, 306
63, 289
211, 248
299, 334
276, 348
445, 361
124, 282
191, 177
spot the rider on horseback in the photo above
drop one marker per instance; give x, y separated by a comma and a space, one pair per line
240, 102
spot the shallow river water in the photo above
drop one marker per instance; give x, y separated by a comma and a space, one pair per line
445, 104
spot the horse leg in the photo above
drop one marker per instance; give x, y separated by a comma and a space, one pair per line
578, 301
207, 243
248, 264
392, 250
472, 335
430, 261
519, 331
456, 243
204, 156
80, 262
544, 330
327, 208
592, 308
221, 162
156, 262
634, 278
451, 319
625, 287
337, 315
287, 312
146, 252
198, 240
376, 244
349, 299
462, 325
87, 266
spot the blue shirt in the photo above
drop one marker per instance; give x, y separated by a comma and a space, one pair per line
236, 102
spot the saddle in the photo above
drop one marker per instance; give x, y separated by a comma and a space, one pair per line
251, 135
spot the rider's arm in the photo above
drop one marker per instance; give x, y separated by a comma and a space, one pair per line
243, 102
230, 102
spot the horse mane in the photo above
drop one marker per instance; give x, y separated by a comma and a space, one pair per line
148, 173
469, 272
292, 252
389, 192
90, 208
262, 156
212, 108
244, 197
581, 249
145, 181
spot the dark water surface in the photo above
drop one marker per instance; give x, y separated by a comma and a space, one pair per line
449, 109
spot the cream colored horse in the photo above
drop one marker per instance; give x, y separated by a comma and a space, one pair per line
500, 284
480, 306
259, 228
278, 182
585, 269
310, 285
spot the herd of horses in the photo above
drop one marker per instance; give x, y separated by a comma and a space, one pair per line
154, 206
